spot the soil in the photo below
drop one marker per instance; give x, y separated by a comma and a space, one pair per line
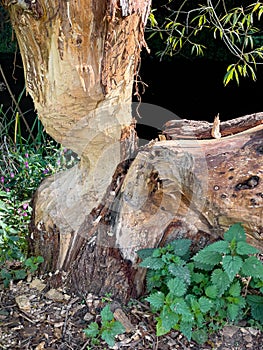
33, 316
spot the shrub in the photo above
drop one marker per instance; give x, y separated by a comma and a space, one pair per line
199, 294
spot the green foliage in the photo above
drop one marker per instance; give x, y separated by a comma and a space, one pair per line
108, 329
24, 163
221, 28
199, 294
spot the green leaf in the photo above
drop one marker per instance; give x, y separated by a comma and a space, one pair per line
233, 311
181, 246
160, 330
243, 248
177, 286
106, 314
180, 307
221, 280
152, 263
236, 232
232, 265
186, 329
156, 300
219, 247
256, 304
205, 304
108, 337
252, 267
235, 289
169, 318
20, 274
145, 253
181, 272
197, 277
92, 331
117, 328
209, 258
200, 336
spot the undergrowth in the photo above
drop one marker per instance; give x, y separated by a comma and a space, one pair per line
199, 294
24, 162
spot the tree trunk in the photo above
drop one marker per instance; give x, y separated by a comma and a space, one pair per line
80, 59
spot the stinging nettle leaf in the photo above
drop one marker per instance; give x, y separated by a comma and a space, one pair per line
221, 280
181, 272
156, 300
205, 304
235, 289
236, 232
152, 263
106, 314
232, 265
252, 267
219, 247
243, 248
177, 286
207, 257
181, 246
145, 253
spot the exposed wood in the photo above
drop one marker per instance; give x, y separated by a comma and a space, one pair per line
195, 129
194, 189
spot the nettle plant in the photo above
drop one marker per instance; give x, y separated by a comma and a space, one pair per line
199, 294
108, 329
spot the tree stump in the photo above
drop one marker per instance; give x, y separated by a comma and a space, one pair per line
181, 188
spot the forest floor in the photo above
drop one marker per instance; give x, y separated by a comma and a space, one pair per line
35, 317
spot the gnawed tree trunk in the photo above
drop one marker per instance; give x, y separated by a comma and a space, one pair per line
80, 59
182, 187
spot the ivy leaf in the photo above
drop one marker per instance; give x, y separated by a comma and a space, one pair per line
177, 287
243, 248
181, 246
207, 257
156, 300
221, 280
252, 267
232, 265
235, 232
92, 331
152, 263
106, 314
205, 304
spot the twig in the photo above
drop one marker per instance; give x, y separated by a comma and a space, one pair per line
85, 345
